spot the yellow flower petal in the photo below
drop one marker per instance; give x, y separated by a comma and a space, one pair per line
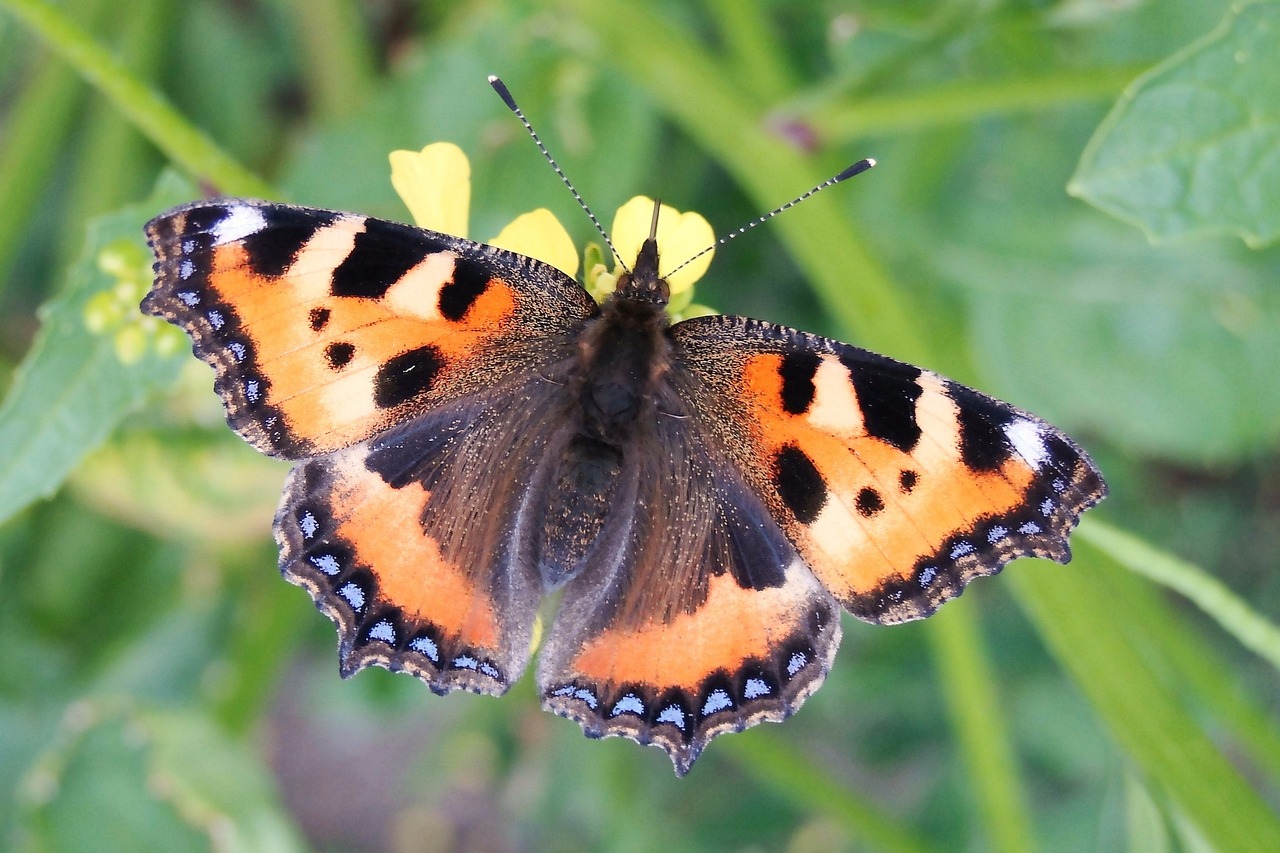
540, 235
680, 237
435, 184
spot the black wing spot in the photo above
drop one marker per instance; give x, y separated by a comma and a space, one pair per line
318, 318
470, 281
272, 249
339, 354
983, 443
406, 376
203, 219
799, 483
797, 372
887, 393
383, 252
907, 481
869, 502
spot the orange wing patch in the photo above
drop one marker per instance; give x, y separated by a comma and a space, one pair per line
359, 547
870, 528
742, 657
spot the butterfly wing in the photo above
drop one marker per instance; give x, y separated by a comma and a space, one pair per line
696, 616
405, 368
417, 542
897, 486
326, 328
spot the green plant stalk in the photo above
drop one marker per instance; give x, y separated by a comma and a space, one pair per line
685, 82
797, 779
1079, 614
1208, 593
335, 52
142, 105
753, 50
35, 133
958, 102
1152, 625
979, 721
109, 138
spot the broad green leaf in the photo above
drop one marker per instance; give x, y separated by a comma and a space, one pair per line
73, 387
1194, 145
1169, 351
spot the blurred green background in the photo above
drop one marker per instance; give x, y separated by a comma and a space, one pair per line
1072, 211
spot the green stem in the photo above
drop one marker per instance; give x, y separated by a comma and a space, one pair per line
753, 49
35, 134
109, 138
1079, 612
799, 780
1208, 593
698, 95
959, 102
336, 53
1154, 625
154, 116
978, 718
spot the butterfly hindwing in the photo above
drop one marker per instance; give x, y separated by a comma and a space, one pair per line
896, 485
325, 328
417, 542
698, 618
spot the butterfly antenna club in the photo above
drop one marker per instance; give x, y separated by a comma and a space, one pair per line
505, 94
856, 169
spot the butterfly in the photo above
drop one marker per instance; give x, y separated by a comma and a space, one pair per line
475, 435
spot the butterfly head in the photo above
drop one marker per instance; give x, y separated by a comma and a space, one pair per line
643, 284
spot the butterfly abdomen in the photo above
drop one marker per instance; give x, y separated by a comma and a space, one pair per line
622, 356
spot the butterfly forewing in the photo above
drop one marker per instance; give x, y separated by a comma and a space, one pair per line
326, 328
897, 486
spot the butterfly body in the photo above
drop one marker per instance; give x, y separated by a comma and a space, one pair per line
473, 432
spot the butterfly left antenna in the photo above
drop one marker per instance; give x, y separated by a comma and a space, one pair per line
505, 94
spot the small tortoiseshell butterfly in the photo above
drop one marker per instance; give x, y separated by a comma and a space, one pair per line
473, 432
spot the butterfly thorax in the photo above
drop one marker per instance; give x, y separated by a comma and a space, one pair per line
622, 354
622, 359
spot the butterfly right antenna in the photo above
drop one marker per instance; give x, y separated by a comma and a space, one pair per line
856, 169
505, 94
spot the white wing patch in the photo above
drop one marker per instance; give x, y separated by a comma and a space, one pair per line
241, 221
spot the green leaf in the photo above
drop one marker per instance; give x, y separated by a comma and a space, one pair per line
1192, 146
72, 389
1076, 322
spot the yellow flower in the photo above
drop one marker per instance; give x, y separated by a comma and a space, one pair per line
113, 310
435, 184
